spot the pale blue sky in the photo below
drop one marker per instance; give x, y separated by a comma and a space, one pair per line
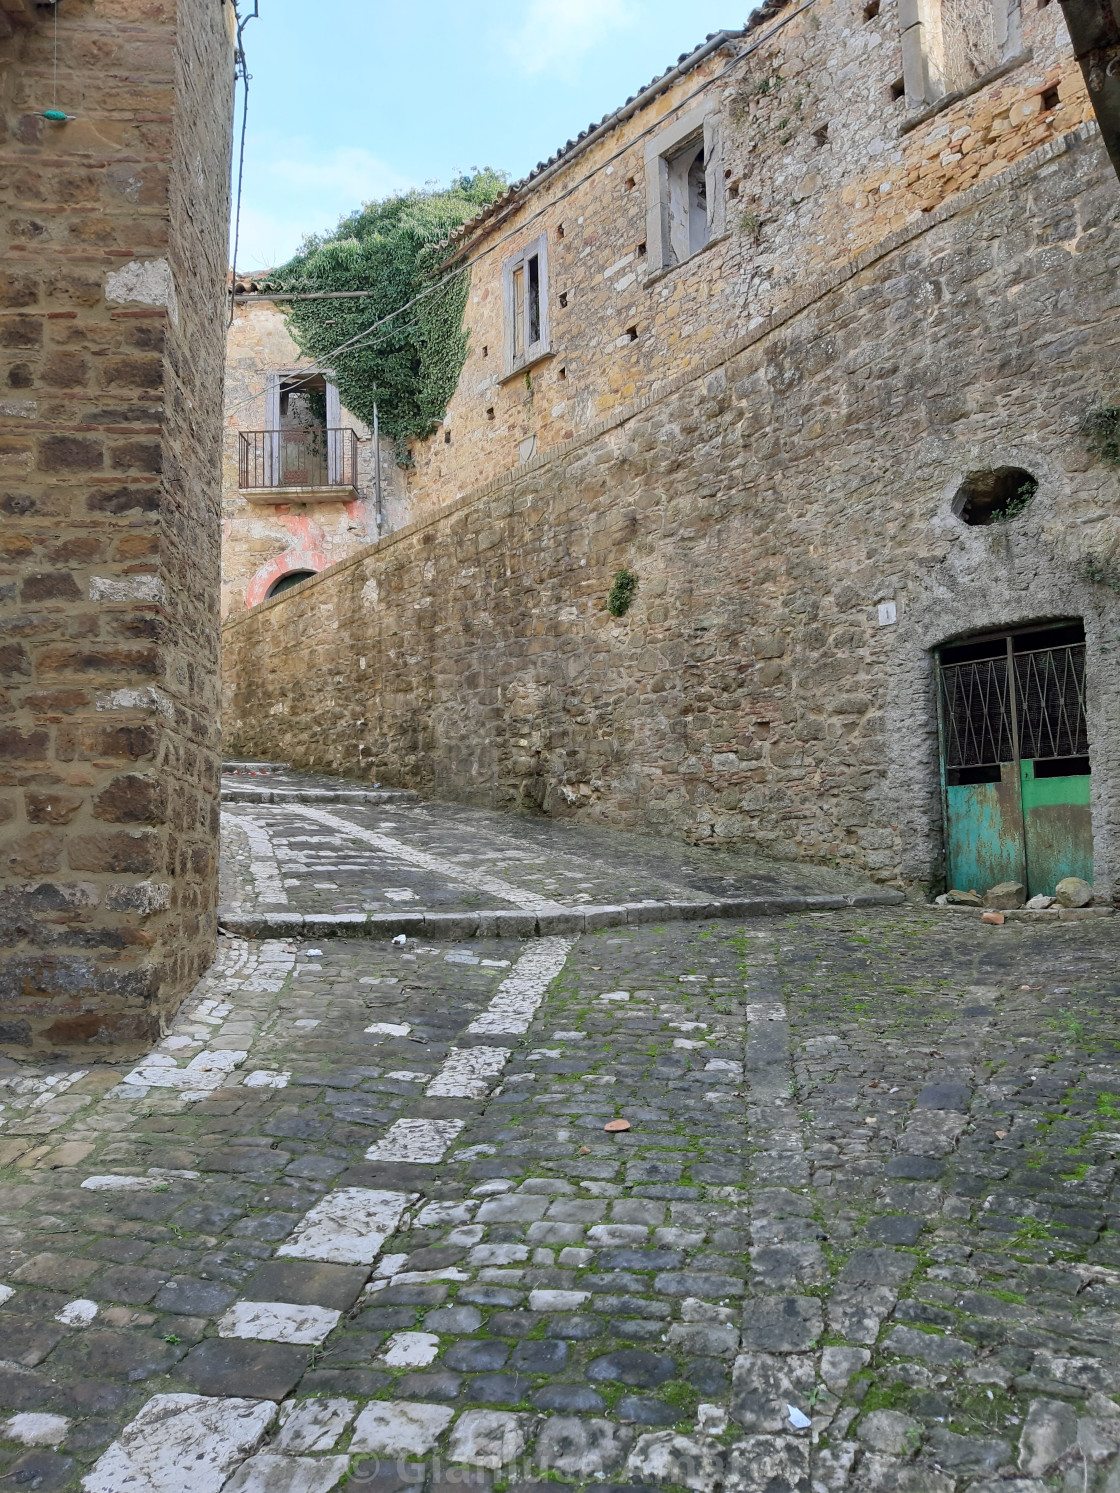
352, 99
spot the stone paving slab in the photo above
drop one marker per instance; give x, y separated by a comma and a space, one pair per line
856, 1223
317, 864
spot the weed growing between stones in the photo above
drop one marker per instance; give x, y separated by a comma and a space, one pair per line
622, 592
1101, 430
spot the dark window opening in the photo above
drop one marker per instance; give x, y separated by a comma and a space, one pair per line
961, 777
533, 277
286, 582
1024, 640
642, 249
1050, 100
898, 90
994, 496
632, 333
1062, 767
563, 298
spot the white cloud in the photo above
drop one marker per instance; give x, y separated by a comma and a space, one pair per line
556, 34
290, 194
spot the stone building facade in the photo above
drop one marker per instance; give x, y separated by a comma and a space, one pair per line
114, 243
770, 338
293, 501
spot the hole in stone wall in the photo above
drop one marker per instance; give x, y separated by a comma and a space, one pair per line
630, 183
1050, 100
898, 90
563, 298
871, 10
994, 496
733, 189
490, 412
559, 230
447, 438
820, 134
642, 249
561, 372
632, 333
485, 351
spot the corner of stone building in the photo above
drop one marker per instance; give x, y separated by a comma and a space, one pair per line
109, 768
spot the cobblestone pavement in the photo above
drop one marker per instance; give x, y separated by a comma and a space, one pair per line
319, 855
822, 1202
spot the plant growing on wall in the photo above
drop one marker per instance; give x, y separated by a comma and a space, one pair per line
622, 592
1101, 429
393, 251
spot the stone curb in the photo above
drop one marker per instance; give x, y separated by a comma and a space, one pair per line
249, 795
507, 923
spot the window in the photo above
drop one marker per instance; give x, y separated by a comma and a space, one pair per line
525, 300
688, 202
685, 188
950, 45
287, 581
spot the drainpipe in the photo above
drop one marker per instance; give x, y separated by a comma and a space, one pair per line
377, 475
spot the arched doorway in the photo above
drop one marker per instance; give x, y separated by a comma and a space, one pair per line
1015, 774
289, 579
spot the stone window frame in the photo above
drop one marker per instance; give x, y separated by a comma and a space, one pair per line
700, 124
920, 26
532, 352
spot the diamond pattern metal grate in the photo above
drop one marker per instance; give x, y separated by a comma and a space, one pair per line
983, 725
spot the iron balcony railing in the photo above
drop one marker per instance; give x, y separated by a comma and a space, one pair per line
298, 458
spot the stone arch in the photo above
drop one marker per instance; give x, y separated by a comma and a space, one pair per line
307, 558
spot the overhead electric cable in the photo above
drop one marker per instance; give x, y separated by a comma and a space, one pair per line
355, 342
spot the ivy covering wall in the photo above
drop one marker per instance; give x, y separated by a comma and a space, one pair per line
392, 250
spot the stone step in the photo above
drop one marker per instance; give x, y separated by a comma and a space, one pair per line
252, 793
505, 922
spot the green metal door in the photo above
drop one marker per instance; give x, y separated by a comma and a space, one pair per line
1015, 759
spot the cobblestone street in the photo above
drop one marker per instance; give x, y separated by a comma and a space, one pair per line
822, 1200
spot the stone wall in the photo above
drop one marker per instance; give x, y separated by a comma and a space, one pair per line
818, 161
769, 501
114, 232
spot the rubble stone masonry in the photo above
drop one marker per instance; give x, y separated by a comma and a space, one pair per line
770, 497
111, 337
817, 158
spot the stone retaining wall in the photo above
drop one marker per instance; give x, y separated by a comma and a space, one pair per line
769, 504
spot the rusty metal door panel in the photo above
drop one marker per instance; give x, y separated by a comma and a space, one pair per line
985, 832
1058, 828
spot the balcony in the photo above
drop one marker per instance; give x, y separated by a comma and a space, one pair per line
308, 465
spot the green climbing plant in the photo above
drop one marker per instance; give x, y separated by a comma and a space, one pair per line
392, 250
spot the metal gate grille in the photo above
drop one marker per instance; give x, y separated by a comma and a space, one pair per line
1019, 705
